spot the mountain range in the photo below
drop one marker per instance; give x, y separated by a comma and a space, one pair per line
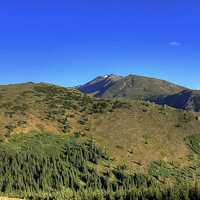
143, 88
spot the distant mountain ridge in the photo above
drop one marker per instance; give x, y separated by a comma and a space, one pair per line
131, 86
186, 99
143, 88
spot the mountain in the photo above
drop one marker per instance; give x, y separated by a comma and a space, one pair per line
57, 141
186, 99
143, 88
131, 87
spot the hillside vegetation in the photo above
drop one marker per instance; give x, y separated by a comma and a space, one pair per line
133, 131
44, 107
58, 143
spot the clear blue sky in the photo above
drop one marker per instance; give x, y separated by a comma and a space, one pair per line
72, 41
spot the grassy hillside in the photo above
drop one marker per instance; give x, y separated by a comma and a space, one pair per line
133, 131
56, 140
146, 132
43, 107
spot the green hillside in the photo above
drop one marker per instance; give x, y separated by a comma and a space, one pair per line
45, 107
58, 143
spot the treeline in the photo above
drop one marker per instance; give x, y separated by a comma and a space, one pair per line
181, 192
45, 162
48, 167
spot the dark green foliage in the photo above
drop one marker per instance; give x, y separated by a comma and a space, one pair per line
101, 106
163, 171
46, 162
59, 100
49, 163
183, 192
9, 128
83, 121
46, 166
194, 143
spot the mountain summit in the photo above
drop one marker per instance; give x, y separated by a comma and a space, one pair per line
131, 87
100, 85
136, 87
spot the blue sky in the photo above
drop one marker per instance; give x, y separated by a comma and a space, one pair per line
71, 42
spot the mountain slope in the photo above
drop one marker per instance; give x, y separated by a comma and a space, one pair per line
99, 85
46, 107
139, 87
144, 88
187, 100
55, 140
131, 87
121, 126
